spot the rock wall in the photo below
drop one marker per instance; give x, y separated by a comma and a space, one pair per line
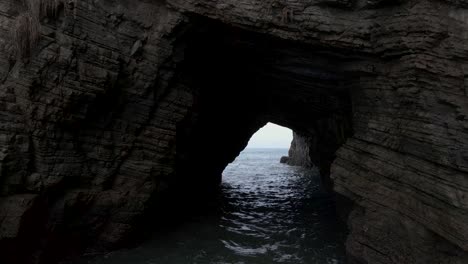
299, 153
116, 98
88, 125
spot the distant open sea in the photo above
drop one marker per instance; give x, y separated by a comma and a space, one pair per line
270, 213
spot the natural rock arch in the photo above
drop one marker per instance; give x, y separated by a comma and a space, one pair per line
248, 79
113, 106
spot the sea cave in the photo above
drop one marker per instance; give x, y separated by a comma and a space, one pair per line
122, 115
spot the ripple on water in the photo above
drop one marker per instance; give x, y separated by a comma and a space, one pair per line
271, 213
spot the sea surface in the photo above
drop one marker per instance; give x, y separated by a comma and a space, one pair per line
269, 213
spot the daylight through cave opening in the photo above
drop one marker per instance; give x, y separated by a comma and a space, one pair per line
242, 80
279, 212
271, 136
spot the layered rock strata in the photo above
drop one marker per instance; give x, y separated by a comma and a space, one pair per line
115, 103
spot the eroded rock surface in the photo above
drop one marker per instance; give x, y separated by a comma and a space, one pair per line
118, 102
299, 152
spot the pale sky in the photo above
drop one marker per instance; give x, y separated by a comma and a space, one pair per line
271, 136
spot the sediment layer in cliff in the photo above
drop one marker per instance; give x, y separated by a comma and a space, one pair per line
116, 103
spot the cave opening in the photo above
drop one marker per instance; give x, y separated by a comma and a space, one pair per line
240, 81
234, 82
275, 212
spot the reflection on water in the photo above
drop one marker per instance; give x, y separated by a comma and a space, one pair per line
270, 213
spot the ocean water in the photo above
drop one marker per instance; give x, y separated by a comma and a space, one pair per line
268, 213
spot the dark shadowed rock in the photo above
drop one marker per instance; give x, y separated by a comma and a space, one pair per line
284, 159
299, 152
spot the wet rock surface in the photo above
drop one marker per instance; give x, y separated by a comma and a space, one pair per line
120, 102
